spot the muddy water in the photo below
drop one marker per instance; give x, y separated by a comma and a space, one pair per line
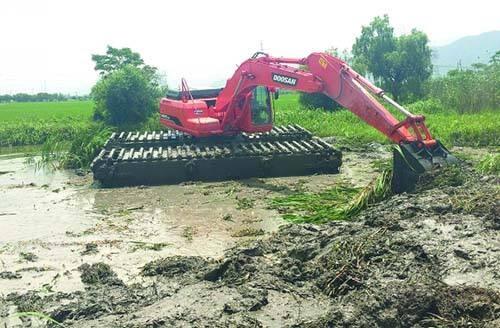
39, 204
64, 220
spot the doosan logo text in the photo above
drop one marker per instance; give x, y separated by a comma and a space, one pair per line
284, 79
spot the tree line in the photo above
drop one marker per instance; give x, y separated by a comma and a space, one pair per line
402, 66
40, 97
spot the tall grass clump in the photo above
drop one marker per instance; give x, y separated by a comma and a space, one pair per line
376, 191
83, 148
469, 129
77, 152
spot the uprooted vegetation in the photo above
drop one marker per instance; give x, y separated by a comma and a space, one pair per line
341, 202
398, 263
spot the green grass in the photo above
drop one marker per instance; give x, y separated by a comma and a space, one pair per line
452, 128
34, 123
68, 125
489, 164
478, 129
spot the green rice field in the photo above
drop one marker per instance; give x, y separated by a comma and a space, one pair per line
32, 123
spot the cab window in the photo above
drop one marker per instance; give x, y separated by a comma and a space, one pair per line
261, 106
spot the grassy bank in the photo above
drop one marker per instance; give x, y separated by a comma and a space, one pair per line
454, 129
34, 123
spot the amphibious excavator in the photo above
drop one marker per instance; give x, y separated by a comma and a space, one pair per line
228, 133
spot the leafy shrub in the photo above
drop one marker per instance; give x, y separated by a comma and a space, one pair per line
125, 96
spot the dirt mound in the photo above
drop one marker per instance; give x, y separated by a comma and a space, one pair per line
98, 273
424, 259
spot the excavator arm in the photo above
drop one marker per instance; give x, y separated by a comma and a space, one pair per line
418, 151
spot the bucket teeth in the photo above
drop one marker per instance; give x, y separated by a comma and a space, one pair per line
142, 158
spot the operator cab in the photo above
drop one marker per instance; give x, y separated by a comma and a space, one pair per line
261, 110
261, 106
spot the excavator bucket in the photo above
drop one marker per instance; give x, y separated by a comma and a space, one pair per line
411, 160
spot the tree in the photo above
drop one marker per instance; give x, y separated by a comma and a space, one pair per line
116, 58
128, 91
5, 98
400, 65
376, 40
125, 96
495, 59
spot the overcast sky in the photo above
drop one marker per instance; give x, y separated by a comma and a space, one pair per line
46, 45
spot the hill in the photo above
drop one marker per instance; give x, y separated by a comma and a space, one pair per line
466, 51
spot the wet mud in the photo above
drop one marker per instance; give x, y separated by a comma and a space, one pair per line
426, 259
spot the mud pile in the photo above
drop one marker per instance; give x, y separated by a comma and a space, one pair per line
426, 259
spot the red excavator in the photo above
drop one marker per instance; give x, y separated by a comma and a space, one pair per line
228, 133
